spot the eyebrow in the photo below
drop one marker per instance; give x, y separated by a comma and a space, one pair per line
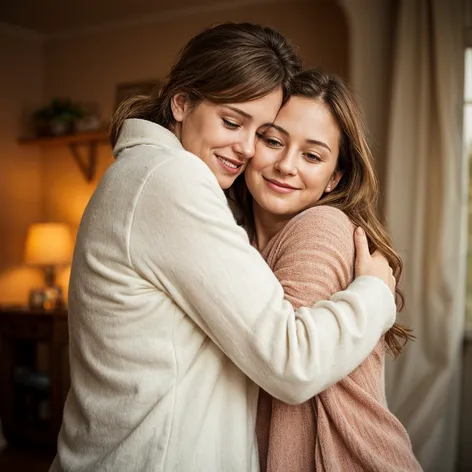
309, 141
239, 111
245, 115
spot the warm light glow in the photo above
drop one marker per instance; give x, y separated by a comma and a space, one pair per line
48, 244
16, 282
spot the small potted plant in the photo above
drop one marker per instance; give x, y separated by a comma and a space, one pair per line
58, 118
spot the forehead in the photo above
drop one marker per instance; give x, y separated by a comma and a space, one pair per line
262, 110
308, 119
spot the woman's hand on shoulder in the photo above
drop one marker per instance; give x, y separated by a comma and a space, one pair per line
371, 264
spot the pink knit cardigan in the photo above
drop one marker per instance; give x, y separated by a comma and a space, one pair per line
348, 427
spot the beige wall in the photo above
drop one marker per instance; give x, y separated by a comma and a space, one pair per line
88, 68
21, 203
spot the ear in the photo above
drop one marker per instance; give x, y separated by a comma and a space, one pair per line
180, 106
334, 181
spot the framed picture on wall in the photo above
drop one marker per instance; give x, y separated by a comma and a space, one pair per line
127, 90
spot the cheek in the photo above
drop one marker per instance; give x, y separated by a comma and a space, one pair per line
263, 158
191, 137
253, 178
317, 182
249, 177
220, 138
203, 134
255, 167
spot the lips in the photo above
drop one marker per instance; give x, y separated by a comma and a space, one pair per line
230, 165
284, 187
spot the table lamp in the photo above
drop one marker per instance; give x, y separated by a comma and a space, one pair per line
48, 245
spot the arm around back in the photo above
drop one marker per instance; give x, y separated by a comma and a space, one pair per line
184, 240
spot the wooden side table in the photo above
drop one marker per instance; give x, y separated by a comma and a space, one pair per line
32, 398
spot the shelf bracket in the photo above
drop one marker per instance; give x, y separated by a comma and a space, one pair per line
87, 163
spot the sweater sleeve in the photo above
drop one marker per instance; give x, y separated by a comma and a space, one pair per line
184, 240
314, 257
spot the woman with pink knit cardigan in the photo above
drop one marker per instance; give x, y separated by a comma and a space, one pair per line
310, 183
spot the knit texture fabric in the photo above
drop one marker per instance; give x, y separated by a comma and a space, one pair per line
348, 427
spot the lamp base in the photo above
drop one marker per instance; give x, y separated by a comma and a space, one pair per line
46, 299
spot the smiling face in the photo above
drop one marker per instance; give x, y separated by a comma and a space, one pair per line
295, 160
224, 136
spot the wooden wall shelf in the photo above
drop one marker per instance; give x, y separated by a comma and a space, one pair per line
88, 141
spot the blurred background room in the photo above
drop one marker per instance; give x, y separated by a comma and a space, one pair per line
66, 65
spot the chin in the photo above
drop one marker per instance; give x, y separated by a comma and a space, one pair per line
226, 182
275, 210
280, 209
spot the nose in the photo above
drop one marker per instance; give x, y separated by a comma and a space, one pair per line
245, 147
287, 163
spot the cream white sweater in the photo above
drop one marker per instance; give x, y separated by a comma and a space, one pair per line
175, 319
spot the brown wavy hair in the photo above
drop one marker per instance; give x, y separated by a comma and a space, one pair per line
357, 191
228, 63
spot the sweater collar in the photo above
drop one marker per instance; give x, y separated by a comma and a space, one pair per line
136, 131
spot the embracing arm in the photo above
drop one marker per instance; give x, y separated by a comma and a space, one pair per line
183, 238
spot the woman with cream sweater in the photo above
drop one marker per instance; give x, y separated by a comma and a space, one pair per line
174, 318
310, 182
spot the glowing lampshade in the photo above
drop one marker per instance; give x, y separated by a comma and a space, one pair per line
48, 244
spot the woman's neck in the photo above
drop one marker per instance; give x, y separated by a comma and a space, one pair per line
267, 225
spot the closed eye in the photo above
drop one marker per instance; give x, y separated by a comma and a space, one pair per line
230, 124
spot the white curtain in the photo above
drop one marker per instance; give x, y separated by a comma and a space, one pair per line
426, 213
